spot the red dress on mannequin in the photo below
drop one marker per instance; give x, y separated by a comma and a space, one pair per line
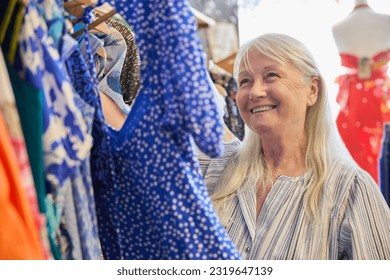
364, 108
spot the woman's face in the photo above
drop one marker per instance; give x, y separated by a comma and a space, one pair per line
272, 97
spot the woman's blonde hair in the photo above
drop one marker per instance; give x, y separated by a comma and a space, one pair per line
248, 168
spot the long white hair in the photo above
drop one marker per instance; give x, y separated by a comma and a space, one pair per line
248, 168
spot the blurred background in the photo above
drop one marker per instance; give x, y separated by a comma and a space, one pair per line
233, 22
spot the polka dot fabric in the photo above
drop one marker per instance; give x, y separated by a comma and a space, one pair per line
151, 199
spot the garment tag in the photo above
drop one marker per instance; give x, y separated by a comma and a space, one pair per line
364, 70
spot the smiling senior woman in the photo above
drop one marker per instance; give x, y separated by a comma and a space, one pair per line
291, 190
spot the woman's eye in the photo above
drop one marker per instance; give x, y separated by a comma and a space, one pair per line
271, 75
243, 81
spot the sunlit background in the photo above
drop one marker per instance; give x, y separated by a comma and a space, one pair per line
310, 21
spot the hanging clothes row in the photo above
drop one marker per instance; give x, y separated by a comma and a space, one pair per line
125, 190
232, 117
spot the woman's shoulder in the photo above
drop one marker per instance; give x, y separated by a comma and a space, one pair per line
348, 171
356, 193
346, 178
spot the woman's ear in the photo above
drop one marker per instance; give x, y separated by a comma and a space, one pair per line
315, 85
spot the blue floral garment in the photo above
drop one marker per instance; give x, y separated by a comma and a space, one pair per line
67, 236
82, 183
77, 235
151, 199
66, 140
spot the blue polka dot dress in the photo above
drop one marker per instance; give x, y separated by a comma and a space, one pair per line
151, 200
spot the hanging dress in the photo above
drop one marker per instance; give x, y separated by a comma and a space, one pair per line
11, 117
83, 191
19, 237
150, 196
364, 108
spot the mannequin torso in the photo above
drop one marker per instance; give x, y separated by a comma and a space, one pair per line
363, 33
363, 41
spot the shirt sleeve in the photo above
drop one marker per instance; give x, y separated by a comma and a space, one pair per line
213, 168
203, 159
365, 228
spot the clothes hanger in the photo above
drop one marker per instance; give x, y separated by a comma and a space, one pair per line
104, 29
87, 2
102, 52
76, 8
72, 3
96, 22
99, 10
101, 28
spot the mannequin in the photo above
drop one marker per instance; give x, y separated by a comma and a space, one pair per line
363, 32
363, 41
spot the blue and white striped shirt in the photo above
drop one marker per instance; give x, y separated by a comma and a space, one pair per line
355, 219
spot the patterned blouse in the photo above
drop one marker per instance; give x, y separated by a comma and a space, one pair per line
357, 218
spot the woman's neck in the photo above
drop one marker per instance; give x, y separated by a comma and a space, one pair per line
286, 159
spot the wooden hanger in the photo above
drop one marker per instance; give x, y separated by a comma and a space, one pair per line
87, 2
95, 23
102, 52
101, 28
80, 2
76, 8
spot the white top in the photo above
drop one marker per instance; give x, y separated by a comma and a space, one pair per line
363, 32
357, 217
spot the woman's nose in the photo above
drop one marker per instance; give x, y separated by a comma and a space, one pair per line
258, 90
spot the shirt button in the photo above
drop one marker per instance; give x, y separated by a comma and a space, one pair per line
247, 249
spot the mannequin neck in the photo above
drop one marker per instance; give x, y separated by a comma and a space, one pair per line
360, 4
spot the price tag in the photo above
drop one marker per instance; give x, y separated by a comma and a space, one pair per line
364, 70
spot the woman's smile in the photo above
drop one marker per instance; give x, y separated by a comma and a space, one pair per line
262, 108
